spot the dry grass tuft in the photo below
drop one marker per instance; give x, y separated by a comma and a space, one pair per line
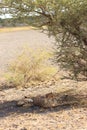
31, 67
12, 29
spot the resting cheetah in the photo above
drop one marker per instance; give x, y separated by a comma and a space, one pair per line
48, 100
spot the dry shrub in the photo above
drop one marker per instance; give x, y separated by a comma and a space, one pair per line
13, 29
73, 59
31, 67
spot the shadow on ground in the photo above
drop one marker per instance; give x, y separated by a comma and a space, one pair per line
8, 108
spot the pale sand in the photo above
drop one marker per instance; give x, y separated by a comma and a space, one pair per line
12, 43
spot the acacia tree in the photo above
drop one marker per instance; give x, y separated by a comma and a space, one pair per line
66, 20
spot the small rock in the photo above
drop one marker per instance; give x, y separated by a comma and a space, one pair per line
20, 103
23, 128
15, 126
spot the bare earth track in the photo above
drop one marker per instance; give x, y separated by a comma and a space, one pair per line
12, 42
35, 118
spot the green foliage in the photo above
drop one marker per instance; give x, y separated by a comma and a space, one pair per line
66, 20
31, 67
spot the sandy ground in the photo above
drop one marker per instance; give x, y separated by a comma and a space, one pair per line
11, 43
35, 118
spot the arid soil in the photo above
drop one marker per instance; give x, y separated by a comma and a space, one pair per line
35, 118
11, 43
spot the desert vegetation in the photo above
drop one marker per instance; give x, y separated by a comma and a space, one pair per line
31, 67
44, 88
66, 21
12, 29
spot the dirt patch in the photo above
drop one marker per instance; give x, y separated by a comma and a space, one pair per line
11, 43
35, 118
